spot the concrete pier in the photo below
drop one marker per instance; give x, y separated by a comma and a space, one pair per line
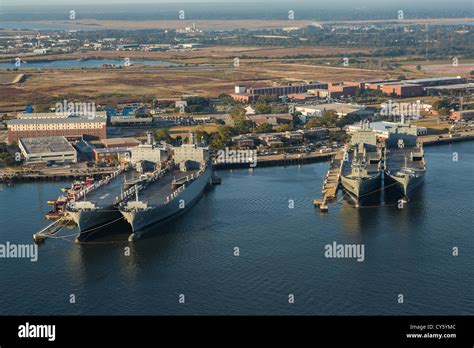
331, 182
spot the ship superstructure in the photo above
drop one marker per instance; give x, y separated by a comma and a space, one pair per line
177, 191
405, 160
363, 162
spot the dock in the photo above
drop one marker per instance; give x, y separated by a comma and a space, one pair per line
331, 182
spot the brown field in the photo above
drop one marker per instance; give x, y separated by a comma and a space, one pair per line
210, 72
235, 24
10, 78
198, 56
183, 131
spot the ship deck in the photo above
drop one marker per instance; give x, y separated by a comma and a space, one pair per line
347, 169
395, 159
156, 192
106, 194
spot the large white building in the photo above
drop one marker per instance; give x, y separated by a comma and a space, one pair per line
49, 150
341, 109
383, 129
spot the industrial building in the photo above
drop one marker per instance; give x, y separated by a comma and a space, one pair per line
69, 127
341, 110
251, 94
47, 150
403, 89
382, 129
462, 87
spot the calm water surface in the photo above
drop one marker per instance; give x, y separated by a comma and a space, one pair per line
408, 251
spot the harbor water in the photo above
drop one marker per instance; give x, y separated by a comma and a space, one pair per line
268, 215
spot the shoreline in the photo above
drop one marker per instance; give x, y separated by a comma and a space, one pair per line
274, 161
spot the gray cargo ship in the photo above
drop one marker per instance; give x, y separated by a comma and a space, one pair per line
362, 168
166, 198
99, 204
174, 193
405, 160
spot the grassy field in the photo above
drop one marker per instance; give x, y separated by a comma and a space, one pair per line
235, 24
209, 73
183, 131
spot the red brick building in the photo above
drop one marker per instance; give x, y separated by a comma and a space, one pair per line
403, 90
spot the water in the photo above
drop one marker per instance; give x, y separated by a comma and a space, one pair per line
74, 64
407, 251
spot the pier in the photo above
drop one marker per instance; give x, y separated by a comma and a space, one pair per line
280, 160
331, 182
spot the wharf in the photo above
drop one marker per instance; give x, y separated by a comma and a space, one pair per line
331, 182
280, 160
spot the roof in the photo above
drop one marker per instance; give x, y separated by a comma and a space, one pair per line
111, 150
118, 141
338, 107
433, 79
56, 115
57, 120
46, 145
460, 85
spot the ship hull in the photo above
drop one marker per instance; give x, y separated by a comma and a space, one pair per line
141, 219
89, 221
404, 184
361, 187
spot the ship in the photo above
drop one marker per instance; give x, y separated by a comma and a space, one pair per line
361, 172
405, 160
188, 174
166, 198
96, 206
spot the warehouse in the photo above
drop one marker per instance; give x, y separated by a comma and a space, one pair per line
49, 150
46, 127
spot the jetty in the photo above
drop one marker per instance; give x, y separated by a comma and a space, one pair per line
331, 182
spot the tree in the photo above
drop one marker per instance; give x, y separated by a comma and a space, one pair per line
202, 136
237, 112
264, 128
441, 104
222, 137
226, 99
243, 126
262, 107
162, 134
284, 128
313, 122
329, 118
